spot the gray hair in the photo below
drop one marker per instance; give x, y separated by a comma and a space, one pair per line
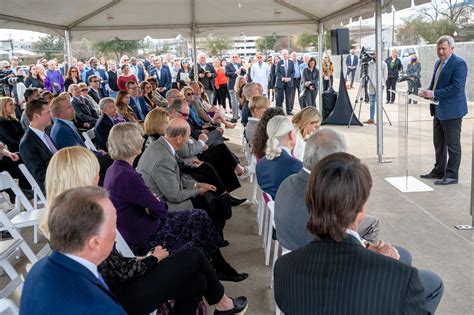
444, 39
322, 143
104, 102
278, 129
175, 131
176, 105
246, 90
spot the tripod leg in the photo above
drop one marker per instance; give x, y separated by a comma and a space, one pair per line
386, 115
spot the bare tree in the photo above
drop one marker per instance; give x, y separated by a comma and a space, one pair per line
449, 9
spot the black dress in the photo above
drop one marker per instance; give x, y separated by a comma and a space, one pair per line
11, 133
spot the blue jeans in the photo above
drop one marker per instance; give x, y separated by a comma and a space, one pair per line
372, 106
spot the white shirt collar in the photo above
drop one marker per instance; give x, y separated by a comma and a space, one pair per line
254, 119
356, 235
306, 170
173, 152
287, 150
39, 133
84, 262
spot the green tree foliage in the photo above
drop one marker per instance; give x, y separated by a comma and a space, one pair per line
305, 40
217, 46
416, 28
51, 46
117, 46
267, 43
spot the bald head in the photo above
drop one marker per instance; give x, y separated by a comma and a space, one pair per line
177, 127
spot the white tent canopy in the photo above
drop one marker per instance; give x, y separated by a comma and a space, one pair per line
135, 19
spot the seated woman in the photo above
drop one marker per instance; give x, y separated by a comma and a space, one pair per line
257, 106
215, 114
147, 92
143, 284
278, 162
259, 142
306, 121
159, 100
85, 93
342, 265
123, 106
144, 220
154, 125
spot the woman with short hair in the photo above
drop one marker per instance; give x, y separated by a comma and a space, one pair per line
143, 284
310, 78
257, 106
155, 125
306, 121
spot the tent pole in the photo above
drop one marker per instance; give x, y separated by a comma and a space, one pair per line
379, 60
193, 38
67, 34
320, 63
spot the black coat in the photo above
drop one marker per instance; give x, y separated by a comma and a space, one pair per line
11, 133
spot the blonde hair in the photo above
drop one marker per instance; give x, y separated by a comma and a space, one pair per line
3, 105
304, 117
155, 122
69, 168
258, 102
56, 104
125, 141
278, 128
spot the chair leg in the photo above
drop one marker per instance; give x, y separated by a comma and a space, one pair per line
268, 245
276, 248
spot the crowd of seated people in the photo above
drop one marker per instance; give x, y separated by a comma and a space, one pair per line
168, 177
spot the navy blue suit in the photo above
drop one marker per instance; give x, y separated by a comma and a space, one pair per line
36, 156
64, 136
59, 285
284, 88
103, 75
102, 129
139, 72
164, 79
450, 93
271, 173
143, 105
232, 74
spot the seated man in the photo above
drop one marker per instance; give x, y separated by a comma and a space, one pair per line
36, 147
30, 94
160, 170
137, 102
291, 214
85, 112
105, 122
278, 162
250, 89
338, 271
82, 234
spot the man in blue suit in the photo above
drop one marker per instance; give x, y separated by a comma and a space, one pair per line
351, 63
447, 86
137, 69
163, 75
285, 73
82, 234
278, 163
99, 73
137, 102
232, 70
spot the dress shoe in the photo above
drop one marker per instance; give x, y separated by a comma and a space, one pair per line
233, 120
446, 181
289, 114
240, 306
224, 243
232, 276
369, 122
431, 176
234, 201
225, 138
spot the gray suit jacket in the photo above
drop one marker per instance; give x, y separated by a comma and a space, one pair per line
190, 150
161, 173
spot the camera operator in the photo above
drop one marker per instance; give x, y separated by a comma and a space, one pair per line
372, 84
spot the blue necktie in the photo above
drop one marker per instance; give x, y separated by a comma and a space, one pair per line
101, 279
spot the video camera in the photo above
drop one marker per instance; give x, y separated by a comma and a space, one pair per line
405, 77
365, 57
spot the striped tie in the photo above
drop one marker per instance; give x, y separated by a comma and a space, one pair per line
440, 68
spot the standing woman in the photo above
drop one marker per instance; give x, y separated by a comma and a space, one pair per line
181, 78
414, 71
328, 70
306, 121
219, 82
102, 63
72, 77
239, 89
41, 72
310, 83
273, 75
34, 80
124, 77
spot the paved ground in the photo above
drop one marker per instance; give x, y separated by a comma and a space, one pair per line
421, 222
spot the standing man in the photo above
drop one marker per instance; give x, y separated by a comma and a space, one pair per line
100, 75
284, 81
206, 74
232, 70
296, 79
394, 66
260, 72
447, 86
351, 62
162, 76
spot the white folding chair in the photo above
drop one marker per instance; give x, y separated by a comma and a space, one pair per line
122, 246
269, 224
7, 249
38, 194
8, 307
88, 141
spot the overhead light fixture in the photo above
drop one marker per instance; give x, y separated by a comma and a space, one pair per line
240, 5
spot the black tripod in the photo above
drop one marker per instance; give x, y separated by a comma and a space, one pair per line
362, 96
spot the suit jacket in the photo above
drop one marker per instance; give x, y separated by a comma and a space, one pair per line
232, 74
64, 136
450, 89
97, 96
36, 156
329, 277
313, 77
207, 82
85, 112
143, 105
161, 173
59, 285
355, 62
280, 73
103, 76
270, 173
102, 129
139, 72
164, 77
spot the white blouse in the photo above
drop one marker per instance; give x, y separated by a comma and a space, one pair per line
298, 151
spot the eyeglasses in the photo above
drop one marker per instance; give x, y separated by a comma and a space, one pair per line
185, 115
189, 94
84, 90
94, 81
125, 60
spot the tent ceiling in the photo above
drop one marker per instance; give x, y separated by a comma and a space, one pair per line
135, 19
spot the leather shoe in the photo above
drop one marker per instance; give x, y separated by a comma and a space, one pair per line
431, 176
232, 276
234, 201
446, 181
240, 306
224, 243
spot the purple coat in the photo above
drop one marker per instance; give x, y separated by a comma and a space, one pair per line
131, 196
54, 77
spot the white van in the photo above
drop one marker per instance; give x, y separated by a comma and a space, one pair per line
404, 53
